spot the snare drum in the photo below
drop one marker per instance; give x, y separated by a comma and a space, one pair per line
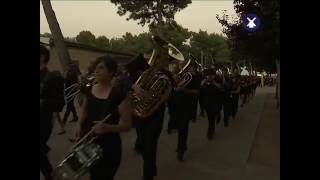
78, 162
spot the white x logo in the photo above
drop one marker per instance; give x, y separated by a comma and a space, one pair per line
251, 23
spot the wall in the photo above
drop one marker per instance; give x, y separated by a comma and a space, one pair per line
83, 56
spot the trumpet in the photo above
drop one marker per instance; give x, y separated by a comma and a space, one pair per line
75, 89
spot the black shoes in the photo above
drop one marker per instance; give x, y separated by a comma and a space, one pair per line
74, 120
180, 156
62, 132
210, 135
137, 150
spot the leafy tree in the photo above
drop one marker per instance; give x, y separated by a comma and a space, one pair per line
152, 12
102, 42
46, 34
213, 46
263, 46
86, 37
70, 39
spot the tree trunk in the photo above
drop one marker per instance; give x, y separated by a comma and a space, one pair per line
57, 36
278, 84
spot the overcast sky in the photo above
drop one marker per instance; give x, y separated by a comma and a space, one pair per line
101, 18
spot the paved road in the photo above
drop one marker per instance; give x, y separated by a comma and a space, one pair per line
246, 150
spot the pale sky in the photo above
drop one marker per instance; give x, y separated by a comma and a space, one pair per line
101, 18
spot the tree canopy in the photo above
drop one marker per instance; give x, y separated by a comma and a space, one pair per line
151, 12
86, 37
213, 46
261, 47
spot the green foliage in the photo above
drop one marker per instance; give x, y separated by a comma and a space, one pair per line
102, 42
213, 46
263, 46
70, 39
46, 34
86, 37
175, 34
152, 12
132, 43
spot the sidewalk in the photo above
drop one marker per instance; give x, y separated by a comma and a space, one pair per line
264, 160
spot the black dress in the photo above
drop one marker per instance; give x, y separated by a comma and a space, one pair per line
106, 167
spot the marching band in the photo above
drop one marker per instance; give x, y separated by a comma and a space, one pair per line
114, 102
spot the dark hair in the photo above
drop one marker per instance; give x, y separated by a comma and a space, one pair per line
45, 52
136, 64
209, 71
109, 62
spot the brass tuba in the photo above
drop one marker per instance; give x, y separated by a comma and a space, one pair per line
155, 84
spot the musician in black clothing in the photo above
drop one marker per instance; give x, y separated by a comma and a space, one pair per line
71, 78
211, 91
196, 77
244, 90
51, 100
171, 103
255, 85
172, 122
235, 94
220, 96
106, 98
183, 102
132, 72
148, 131
251, 87
149, 128
227, 101
200, 96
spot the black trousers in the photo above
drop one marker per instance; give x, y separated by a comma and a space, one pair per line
235, 104
172, 123
148, 131
213, 112
219, 106
70, 108
201, 104
194, 109
45, 132
183, 121
245, 98
227, 109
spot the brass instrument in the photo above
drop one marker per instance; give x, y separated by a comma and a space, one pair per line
155, 84
184, 77
75, 89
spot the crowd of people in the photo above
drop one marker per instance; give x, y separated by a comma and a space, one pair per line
216, 90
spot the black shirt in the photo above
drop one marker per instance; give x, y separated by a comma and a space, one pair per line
98, 109
51, 90
211, 94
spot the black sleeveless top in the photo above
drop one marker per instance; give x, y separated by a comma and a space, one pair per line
98, 109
